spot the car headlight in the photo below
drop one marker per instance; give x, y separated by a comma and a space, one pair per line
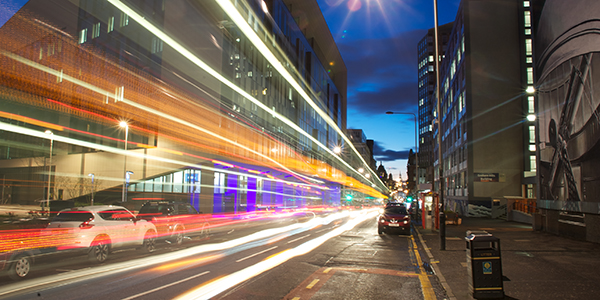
382, 220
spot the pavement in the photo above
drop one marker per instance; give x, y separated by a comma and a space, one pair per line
535, 264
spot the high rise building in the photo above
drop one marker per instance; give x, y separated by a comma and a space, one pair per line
486, 70
426, 71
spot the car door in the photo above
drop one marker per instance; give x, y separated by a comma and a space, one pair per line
121, 227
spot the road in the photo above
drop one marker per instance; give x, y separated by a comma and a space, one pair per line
328, 257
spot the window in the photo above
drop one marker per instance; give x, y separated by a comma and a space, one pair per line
157, 45
528, 47
527, 19
430, 58
124, 19
529, 75
111, 24
219, 183
531, 104
83, 36
532, 165
96, 30
532, 134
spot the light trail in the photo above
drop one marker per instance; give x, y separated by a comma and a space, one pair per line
112, 269
220, 285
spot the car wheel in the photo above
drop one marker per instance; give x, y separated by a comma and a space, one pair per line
379, 231
177, 238
20, 267
205, 231
149, 244
99, 250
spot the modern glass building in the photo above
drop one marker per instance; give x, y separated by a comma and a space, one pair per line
230, 105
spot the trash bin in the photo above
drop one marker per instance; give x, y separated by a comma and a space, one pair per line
484, 265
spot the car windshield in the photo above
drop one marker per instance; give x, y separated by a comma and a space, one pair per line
396, 210
73, 216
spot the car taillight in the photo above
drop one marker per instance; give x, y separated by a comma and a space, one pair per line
86, 224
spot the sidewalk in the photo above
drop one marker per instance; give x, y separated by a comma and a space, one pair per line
17, 210
537, 265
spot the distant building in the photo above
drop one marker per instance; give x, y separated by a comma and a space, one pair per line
426, 69
360, 142
487, 156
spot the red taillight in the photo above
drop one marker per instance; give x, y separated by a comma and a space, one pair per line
86, 224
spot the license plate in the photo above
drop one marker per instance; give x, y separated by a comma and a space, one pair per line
394, 225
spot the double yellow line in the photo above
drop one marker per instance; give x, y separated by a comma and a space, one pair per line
426, 287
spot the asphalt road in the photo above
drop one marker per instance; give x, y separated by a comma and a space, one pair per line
324, 258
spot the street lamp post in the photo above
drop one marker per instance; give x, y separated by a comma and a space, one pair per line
124, 124
439, 128
92, 175
48, 132
416, 151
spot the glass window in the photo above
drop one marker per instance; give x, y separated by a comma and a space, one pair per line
73, 216
532, 134
83, 35
528, 47
527, 19
96, 30
529, 75
177, 182
111, 24
124, 19
531, 104
532, 165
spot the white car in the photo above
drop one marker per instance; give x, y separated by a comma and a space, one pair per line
99, 230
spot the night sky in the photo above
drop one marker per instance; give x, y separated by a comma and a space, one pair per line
378, 42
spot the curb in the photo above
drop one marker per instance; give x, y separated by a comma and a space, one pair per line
436, 270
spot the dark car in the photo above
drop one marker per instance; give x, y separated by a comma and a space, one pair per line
393, 218
175, 221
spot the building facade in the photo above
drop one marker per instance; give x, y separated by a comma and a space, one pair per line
426, 74
487, 159
566, 57
228, 105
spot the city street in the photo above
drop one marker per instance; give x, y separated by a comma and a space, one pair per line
258, 262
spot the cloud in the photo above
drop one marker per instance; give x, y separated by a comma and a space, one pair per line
382, 154
382, 73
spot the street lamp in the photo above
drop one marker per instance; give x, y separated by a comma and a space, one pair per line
92, 175
416, 143
126, 126
337, 149
51, 134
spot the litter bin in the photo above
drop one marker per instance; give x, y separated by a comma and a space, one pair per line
484, 265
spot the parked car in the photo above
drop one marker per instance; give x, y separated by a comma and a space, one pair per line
175, 221
98, 230
393, 218
17, 264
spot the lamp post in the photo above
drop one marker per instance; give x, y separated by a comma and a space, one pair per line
51, 134
439, 128
126, 126
92, 175
416, 152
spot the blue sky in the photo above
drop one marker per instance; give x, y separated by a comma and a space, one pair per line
378, 42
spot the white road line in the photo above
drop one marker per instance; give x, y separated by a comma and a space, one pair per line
303, 237
323, 230
165, 286
255, 254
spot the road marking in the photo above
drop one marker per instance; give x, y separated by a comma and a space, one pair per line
295, 240
327, 270
165, 286
426, 287
310, 286
255, 254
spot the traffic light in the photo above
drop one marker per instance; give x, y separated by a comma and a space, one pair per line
348, 197
409, 199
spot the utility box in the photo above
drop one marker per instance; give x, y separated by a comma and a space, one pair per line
484, 265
